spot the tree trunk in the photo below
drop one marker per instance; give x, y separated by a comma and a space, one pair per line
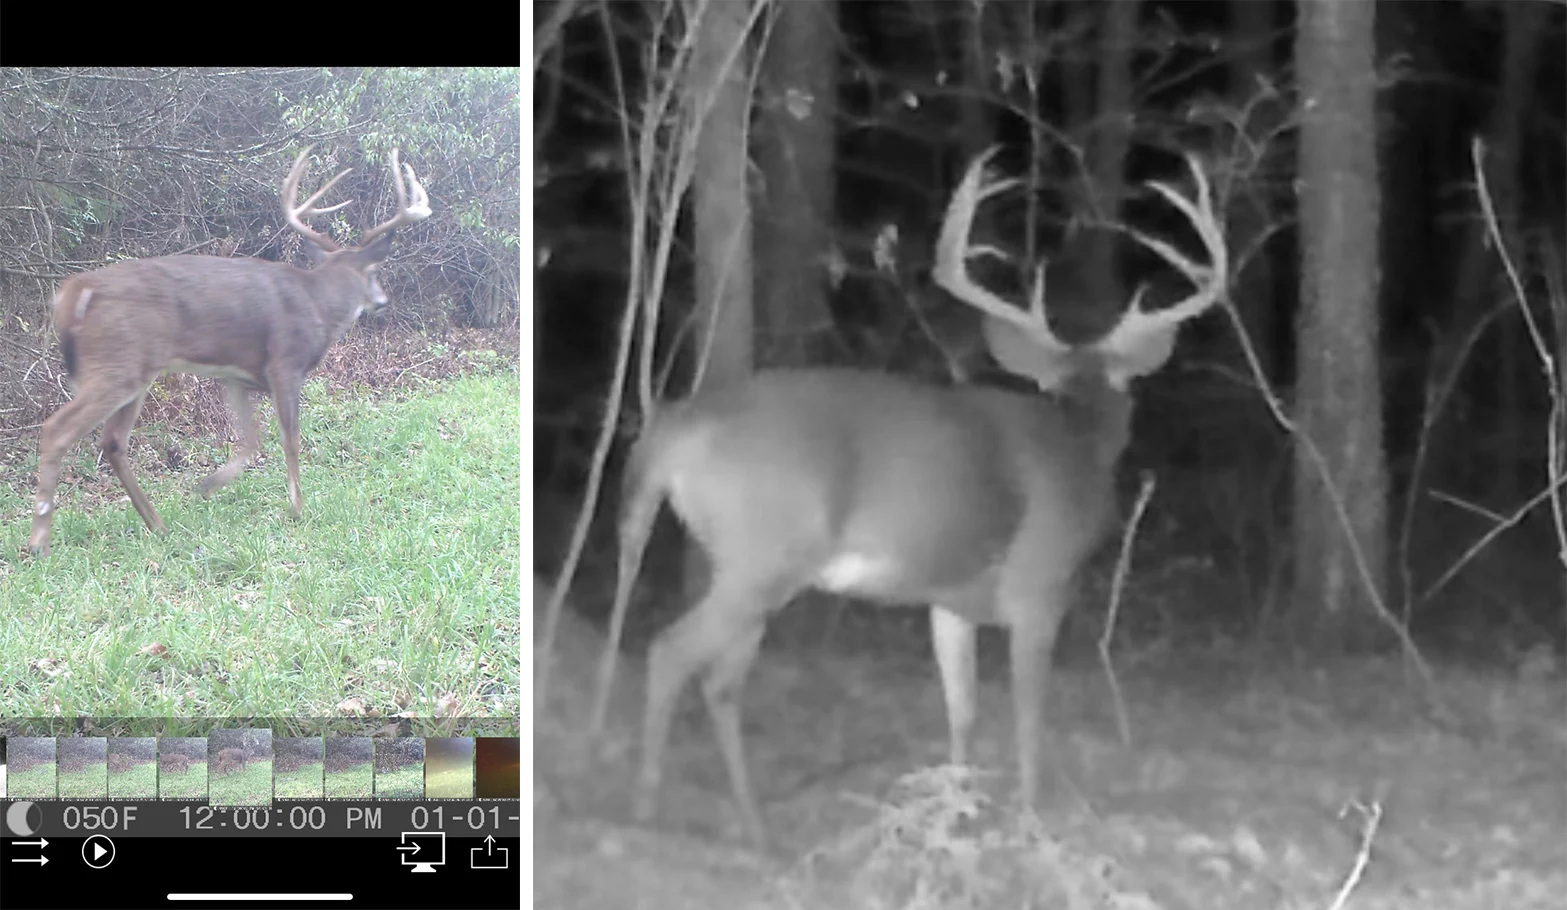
1112, 109
978, 125
1338, 394
1107, 151
720, 199
1097, 97
1520, 53
795, 157
722, 216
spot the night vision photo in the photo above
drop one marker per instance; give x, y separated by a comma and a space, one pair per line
1047, 453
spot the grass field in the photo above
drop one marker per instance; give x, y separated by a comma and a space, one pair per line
397, 591
304, 782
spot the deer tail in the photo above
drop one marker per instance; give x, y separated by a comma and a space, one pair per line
69, 309
68, 352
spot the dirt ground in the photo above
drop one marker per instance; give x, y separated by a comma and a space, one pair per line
1248, 782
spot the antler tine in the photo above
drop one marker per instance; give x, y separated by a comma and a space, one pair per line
1210, 280
309, 206
407, 212
1036, 291
953, 250
421, 198
295, 215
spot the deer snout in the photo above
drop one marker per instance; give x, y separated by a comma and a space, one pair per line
377, 297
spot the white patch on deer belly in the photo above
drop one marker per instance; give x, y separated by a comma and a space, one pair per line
212, 371
852, 573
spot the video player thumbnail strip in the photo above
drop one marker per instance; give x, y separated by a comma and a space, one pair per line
250, 766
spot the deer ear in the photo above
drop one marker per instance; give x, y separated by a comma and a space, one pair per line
379, 248
316, 254
1047, 363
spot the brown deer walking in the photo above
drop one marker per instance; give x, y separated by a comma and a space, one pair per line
230, 760
980, 502
254, 325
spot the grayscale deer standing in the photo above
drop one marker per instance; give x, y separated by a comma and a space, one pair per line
254, 325
980, 502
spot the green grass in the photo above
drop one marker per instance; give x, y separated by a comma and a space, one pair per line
248, 786
138, 782
188, 784
355, 783
304, 782
38, 782
449, 782
92, 782
398, 586
407, 782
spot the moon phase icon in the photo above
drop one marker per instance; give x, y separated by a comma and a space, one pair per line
24, 818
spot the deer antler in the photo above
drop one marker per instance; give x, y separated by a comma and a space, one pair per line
296, 214
1209, 281
1138, 344
953, 251
407, 213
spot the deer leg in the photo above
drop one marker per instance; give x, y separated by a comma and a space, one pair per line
719, 637
244, 411
285, 396
953, 637
1034, 624
115, 442
721, 689
61, 431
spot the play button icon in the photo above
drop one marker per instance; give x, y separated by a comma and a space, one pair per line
98, 851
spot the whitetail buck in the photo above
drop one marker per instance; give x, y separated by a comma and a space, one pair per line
254, 325
980, 502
